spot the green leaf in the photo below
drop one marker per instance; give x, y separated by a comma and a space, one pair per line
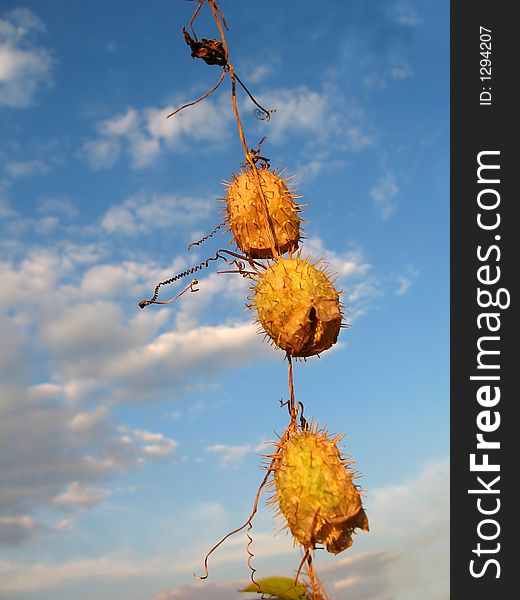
281, 587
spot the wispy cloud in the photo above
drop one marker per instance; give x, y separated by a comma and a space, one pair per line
406, 554
123, 565
258, 73
141, 134
354, 276
80, 495
62, 453
153, 445
383, 194
230, 456
323, 116
102, 153
25, 168
344, 265
24, 65
59, 206
145, 213
405, 281
6, 211
409, 525
60, 304
395, 69
208, 511
407, 15
18, 530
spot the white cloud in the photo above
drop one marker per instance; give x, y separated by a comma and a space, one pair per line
62, 452
141, 135
122, 131
6, 211
401, 70
300, 109
383, 193
130, 278
17, 531
215, 289
60, 307
93, 327
63, 207
362, 576
409, 542
414, 508
207, 121
323, 116
26, 168
345, 265
78, 495
146, 370
17, 578
102, 153
208, 512
258, 73
147, 212
24, 66
122, 566
353, 274
230, 456
405, 281
411, 522
362, 295
147, 436
407, 15
84, 421
395, 67
153, 445
358, 139
405, 555
121, 125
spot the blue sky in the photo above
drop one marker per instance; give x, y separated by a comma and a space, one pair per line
129, 439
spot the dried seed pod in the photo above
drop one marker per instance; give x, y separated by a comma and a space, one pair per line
246, 215
298, 307
315, 492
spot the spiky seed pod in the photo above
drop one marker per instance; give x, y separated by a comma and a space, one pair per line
246, 215
315, 492
298, 307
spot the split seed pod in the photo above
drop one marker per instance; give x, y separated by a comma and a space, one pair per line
315, 492
298, 307
246, 214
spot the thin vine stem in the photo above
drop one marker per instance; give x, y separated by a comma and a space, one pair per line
249, 157
265, 480
203, 97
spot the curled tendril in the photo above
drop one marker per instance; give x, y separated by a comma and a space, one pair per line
219, 255
250, 557
262, 114
202, 265
206, 237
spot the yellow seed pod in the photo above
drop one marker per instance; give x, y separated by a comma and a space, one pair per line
246, 214
298, 307
315, 491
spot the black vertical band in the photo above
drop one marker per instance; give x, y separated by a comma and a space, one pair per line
485, 165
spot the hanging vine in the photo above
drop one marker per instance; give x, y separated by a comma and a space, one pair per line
298, 309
